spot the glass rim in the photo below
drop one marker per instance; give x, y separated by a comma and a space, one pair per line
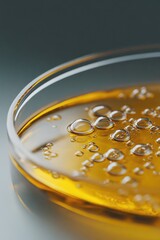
67, 69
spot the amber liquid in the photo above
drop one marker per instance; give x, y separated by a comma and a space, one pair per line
98, 151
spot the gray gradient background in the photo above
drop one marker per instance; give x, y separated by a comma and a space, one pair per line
38, 35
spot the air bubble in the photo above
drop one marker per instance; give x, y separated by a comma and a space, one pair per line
149, 165
93, 148
54, 117
158, 140
143, 123
128, 110
103, 123
154, 128
141, 93
116, 169
142, 150
158, 154
138, 171
121, 135
81, 127
49, 145
148, 112
114, 154
97, 157
79, 153
131, 120
100, 110
87, 163
55, 175
129, 128
53, 155
117, 115
129, 181
129, 143
157, 112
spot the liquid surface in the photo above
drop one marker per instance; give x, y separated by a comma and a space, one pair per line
102, 148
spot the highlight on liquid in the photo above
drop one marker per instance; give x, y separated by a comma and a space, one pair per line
107, 142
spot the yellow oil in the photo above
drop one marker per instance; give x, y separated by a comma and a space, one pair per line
98, 151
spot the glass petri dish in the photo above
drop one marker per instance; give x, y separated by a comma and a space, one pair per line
55, 154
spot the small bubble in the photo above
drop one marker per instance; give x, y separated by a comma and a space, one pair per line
158, 153
56, 117
148, 112
141, 93
86, 109
138, 171
84, 146
116, 169
121, 135
84, 169
76, 174
158, 140
45, 149
73, 139
121, 95
128, 110
143, 123
97, 157
79, 153
114, 154
155, 172
107, 181
142, 150
157, 112
138, 198
49, 145
103, 123
87, 163
53, 155
55, 175
149, 165
129, 128
131, 120
129, 143
100, 110
117, 115
93, 148
154, 128
81, 127
129, 181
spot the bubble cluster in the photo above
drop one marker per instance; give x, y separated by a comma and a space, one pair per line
141, 93
54, 117
128, 110
47, 151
